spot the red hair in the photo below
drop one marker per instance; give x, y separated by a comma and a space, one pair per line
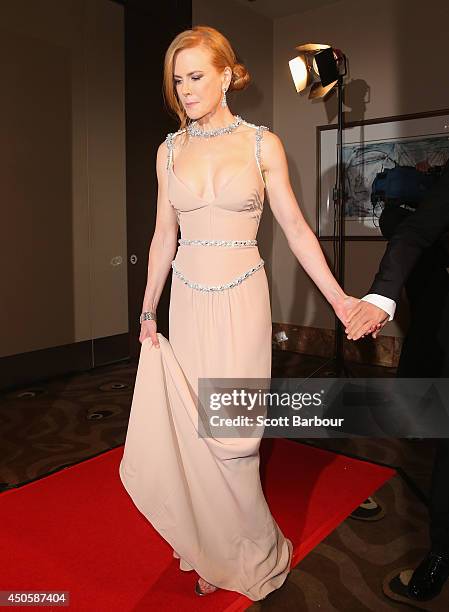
222, 55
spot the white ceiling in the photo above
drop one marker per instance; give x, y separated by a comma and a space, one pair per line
282, 8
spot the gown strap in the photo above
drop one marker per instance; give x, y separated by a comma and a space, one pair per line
259, 133
169, 141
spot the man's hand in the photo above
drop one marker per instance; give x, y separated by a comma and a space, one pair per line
365, 318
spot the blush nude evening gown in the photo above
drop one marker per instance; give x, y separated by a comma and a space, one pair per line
204, 495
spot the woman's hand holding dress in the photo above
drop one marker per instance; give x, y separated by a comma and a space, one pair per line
148, 329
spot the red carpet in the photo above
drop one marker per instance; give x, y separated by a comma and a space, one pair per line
77, 530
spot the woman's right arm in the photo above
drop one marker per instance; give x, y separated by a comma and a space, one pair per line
162, 248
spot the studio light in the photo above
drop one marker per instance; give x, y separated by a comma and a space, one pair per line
317, 65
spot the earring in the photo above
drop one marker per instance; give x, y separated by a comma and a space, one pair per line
223, 99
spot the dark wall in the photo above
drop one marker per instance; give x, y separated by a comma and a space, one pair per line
149, 29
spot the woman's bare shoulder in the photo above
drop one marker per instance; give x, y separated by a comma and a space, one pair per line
273, 152
266, 134
272, 144
171, 138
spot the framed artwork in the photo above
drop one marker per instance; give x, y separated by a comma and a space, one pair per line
369, 147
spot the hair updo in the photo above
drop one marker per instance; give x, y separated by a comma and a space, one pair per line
222, 55
240, 77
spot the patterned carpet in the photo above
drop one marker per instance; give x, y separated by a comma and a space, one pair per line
61, 422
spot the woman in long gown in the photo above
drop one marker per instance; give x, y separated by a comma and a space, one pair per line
203, 494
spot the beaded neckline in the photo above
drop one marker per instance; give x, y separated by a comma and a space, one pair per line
194, 130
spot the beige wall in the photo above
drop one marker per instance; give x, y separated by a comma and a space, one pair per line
399, 48
62, 171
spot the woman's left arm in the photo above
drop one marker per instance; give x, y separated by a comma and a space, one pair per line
301, 239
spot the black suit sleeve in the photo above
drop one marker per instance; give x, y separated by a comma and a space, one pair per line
419, 231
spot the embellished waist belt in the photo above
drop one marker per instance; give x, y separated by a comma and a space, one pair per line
226, 243
233, 283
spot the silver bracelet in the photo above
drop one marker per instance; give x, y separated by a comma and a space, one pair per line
147, 316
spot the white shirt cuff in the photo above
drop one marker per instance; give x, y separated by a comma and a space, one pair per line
388, 305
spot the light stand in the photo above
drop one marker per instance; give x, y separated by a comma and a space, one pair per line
339, 212
324, 68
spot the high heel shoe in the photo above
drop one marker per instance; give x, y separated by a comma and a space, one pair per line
202, 587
